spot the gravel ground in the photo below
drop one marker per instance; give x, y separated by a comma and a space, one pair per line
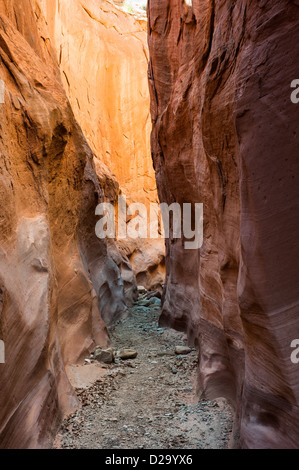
148, 402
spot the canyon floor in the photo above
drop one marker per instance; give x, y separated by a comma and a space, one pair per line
149, 402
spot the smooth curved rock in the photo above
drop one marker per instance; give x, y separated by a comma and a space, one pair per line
103, 56
225, 134
103, 59
55, 275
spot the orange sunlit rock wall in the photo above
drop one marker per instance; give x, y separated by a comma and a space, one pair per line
103, 58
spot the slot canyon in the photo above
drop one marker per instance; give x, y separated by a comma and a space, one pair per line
131, 342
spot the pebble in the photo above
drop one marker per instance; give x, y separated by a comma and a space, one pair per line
182, 350
125, 354
141, 290
104, 355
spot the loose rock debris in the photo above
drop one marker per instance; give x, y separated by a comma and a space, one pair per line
147, 397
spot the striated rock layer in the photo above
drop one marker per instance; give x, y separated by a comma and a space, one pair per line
56, 278
225, 134
103, 58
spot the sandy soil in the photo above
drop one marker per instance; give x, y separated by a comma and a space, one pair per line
148, 402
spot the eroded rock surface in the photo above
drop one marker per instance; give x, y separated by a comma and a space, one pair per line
56, 278
225, 134
103, 58
103, 55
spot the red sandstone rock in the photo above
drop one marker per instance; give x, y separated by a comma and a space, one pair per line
55, 275
225, 134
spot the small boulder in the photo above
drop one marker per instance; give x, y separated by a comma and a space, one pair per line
141, 290
105, 356
125, 354
155, 301
182, 350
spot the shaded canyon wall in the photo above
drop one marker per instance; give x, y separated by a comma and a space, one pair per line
225, 134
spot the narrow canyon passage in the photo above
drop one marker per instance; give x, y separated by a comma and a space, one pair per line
109, 112
148, 402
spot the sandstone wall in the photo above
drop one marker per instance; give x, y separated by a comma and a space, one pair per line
103, 58
225, 134
55, 275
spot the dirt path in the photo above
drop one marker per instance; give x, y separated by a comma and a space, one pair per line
148, 402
